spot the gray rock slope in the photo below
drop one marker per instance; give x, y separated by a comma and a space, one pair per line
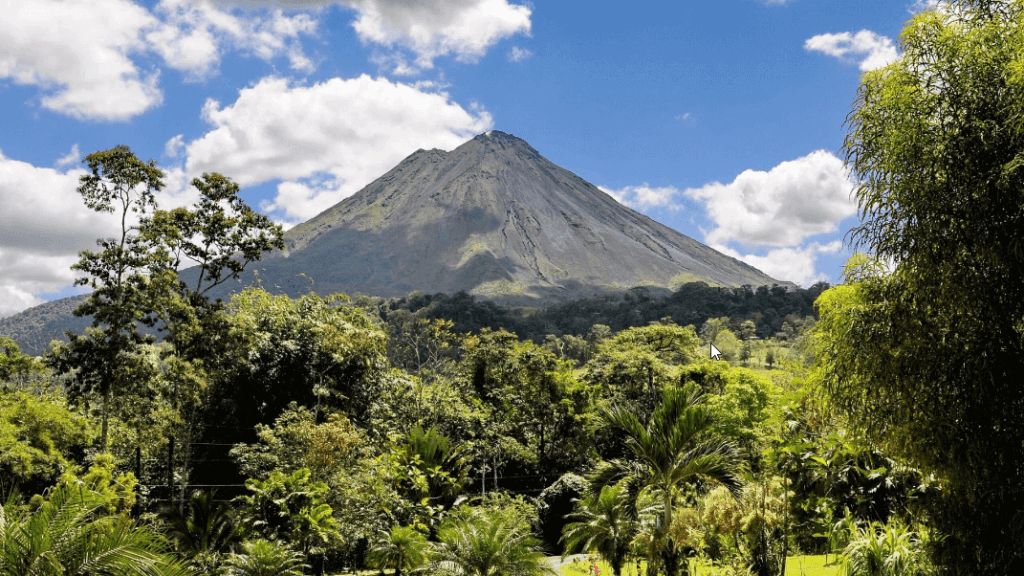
495, 218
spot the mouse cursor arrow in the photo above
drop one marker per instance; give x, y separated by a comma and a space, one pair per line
715, 354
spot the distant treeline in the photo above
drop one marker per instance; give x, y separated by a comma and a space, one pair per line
693, 303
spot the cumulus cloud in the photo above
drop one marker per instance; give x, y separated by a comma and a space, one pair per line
644, 196
328, 140
70, 158
463, 28
193, 33
35, 255
517, 54
922, 5
77, 53
795, 264
174, 146
870, 49
81, 54
782, 207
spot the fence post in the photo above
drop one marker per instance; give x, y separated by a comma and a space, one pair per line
170, 471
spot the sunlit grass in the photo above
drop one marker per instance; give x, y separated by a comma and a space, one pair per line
795, 566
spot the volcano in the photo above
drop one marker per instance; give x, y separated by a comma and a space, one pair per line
498, 220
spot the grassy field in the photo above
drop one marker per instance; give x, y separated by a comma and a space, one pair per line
795, 566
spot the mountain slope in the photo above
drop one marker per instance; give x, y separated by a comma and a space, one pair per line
495, 218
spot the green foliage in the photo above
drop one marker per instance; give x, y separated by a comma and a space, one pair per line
432, 469
70, 533
289, 508
602, 524
402, 548
297, 441
555, 503
485, 544
38, 436
729, 345
118, 490
633, 366
675, 448
928, 359
330, 354
15, 366
203, 531
544, 409
745, 403
263, 558
220, 235
885, 550
121, 278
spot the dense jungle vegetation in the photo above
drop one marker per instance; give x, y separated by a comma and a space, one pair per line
271, 435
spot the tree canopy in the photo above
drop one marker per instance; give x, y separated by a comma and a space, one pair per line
924, 347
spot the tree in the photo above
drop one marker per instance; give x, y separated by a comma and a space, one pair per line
13, 364
122, 296
290, 508
265, 558
925, 352
37, 438
602, 524
402, 548
220, 235
72, 534
670, 452
432, 471
486, 544
204, 530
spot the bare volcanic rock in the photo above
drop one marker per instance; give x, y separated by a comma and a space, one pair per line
494, 218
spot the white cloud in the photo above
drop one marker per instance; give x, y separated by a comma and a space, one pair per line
194, 31
80, 54
922, 5
782, 207
36, 255
77, 53
795, 264
517, 54
174, 146
684, 117
644, 196
70, 158
464, 28
328, 140
870, 49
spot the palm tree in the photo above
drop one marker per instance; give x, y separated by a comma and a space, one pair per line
673, 450
204, 530
401, 548
484, 544
70, 534
601, 524
265, 558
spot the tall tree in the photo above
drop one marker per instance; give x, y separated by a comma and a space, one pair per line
670, 452
926, 358
122, 297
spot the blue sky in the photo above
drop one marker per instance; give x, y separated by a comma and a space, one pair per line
720, 119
